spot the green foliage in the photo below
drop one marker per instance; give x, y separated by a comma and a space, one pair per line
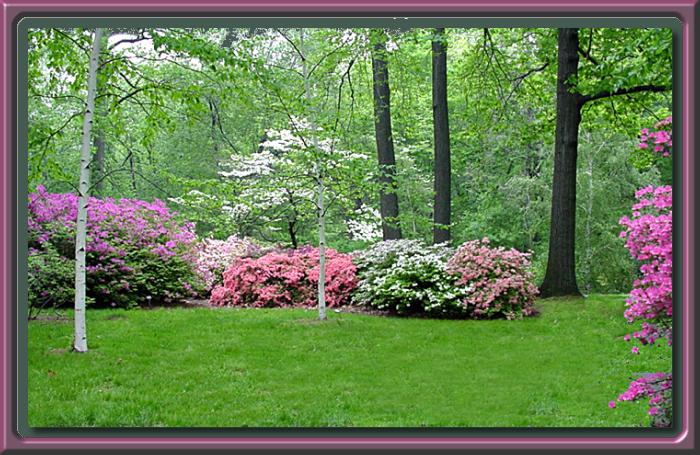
176, 105
606, 183
408, 277
50, 279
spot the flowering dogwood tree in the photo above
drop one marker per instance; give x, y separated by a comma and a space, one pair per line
296, 179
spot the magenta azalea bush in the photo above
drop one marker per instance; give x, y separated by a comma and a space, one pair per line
214, 256
655, 150
135, 249
658, 387
649, 239
286, 278
499, 280
659, 139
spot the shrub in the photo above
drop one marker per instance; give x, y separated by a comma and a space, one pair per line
134, 249
499, 280
658, 388
656, 149
649, 239
285, 278
214, 256
408, 277
50, 278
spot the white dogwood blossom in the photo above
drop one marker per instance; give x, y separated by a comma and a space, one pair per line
366, 225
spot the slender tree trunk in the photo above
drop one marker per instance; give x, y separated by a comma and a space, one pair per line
321, 250
98, 171
320, 188
99, 162
560, 277
132, 172
80, 335
388, 199
441, 131
292, 222
526, 210
291, 229
589, 214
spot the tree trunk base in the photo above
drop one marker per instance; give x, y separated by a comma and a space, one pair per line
547, 290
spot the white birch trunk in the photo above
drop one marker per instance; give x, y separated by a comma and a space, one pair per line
321, 250
80, 335
320, 188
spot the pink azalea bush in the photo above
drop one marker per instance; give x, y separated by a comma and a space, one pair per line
134, 249
649, 239
499, 280
477, 281
660, 139
214, 256
285, 278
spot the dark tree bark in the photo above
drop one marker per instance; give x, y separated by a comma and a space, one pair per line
292, 230
441, 131
560, 277
388, 200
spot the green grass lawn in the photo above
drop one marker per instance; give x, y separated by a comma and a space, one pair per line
279, 368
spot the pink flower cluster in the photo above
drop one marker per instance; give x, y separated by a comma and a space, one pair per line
213, 256
286, 278
127, 240
649, 236
649, 239
661, 139
658, 388
500, 279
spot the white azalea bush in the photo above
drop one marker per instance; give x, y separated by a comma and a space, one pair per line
409, 277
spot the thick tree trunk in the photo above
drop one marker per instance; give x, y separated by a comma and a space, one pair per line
560, 277
388, 199
441, 131
80, 335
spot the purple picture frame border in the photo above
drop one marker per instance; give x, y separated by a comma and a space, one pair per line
685, 10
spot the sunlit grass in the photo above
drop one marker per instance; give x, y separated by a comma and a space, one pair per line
277, 368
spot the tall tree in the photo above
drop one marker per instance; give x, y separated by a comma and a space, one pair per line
388, 199
560, 277
441, 132
98, 170
80, 336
